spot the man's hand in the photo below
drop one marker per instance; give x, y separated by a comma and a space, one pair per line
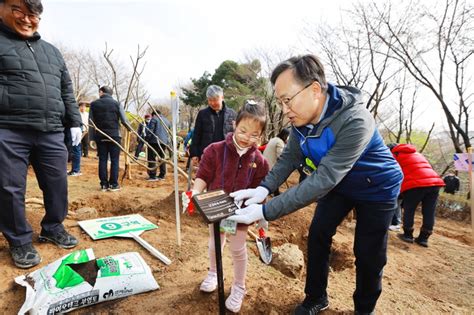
76, 135
248, 215
195, 161
253, 195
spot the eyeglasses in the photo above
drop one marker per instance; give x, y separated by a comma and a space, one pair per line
244, 135
287, 100
18, 14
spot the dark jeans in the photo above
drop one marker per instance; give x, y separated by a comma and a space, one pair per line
48, 155
370, 246
85, 145
76, 158
107, 149
152, 159
428, 196
397, 216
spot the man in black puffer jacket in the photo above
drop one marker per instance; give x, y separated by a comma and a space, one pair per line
36, 104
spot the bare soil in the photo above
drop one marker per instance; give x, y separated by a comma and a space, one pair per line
417, 280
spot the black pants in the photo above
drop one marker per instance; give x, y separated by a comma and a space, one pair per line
152, 159
428, 196
107, 149
85, 145
48, 155
370, 246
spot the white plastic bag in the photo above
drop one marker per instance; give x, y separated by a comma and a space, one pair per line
78, 279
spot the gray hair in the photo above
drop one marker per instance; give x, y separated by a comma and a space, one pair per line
214, 91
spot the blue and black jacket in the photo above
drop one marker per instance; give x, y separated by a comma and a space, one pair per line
347, 153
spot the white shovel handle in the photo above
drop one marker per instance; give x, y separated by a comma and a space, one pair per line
150, 248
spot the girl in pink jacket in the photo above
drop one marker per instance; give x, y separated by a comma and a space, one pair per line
233, 164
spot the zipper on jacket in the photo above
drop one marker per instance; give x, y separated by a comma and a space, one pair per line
44, 84
30, 47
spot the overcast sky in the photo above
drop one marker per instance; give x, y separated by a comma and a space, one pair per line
187, 37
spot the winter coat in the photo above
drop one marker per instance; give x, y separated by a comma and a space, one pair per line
417, 171
273, 150
35, 88
348, 155
106, 114
156, 130
204, 128
221, 167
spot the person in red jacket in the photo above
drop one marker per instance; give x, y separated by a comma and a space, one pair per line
420, 184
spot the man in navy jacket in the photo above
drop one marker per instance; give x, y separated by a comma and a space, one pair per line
348, 165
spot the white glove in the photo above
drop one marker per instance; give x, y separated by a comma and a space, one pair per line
76, 135
248, 215
185, 200
262, 224
253, 195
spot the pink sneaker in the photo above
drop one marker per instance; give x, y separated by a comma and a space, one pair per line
234, 301
210, 283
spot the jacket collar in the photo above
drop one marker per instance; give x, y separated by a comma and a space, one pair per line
229, 142
222, 110
12, 34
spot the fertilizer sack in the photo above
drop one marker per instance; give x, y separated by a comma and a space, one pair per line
78, 279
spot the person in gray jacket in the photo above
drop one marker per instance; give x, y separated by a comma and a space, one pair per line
348, 166
158, 139
36, 104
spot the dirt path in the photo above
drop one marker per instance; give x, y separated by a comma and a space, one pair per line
439, 279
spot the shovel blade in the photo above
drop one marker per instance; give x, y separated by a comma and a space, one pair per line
264, 247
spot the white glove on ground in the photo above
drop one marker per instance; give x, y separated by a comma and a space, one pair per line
76, 135
253, 195
185, 200
248, 215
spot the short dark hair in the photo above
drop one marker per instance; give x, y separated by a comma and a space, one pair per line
252, 110
106, 89
283, 134
35, 6
306, 69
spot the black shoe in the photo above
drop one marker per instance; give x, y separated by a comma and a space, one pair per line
406, 238
104, 187
421, 241
364, 313
25, 256
63, 239
311, 308
152, 179
114, 187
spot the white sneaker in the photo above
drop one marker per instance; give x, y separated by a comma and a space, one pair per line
210, 283
394, 228
234, 301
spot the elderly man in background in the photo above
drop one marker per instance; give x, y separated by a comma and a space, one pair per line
212, 123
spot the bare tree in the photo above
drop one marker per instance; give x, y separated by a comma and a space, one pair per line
416, 37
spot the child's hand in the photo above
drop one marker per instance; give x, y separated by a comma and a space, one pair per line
262, 224
186, 198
